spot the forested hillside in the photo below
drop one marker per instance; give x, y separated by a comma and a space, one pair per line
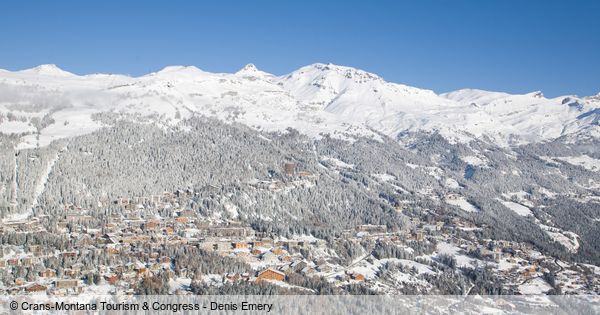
239, 174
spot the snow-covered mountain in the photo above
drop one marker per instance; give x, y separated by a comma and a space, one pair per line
544, 193
46, 103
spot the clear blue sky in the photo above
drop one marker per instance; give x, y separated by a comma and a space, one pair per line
513, 46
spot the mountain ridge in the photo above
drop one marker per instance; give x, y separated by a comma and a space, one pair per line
317, 99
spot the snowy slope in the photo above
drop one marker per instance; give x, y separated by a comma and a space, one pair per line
531, 116
47, 103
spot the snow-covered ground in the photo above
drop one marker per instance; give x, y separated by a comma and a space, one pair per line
179, 284
384, 177
584, 161
336, 162
41, 184
473, 160
517, 208
535, 286
461, 259
451, 183
566, 238
461, 202
9, 127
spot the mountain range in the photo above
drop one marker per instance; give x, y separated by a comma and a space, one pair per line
46, 103
522, 168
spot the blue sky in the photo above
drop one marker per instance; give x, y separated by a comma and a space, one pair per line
513, 46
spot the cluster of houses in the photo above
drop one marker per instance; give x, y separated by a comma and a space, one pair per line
130, 232
135, 229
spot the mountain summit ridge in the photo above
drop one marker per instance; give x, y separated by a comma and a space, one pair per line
316, 99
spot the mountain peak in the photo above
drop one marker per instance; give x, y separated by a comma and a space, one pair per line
249, 67
177, 71
48, 70
594, 97
169, 69
536, 94
333, 70
250, 70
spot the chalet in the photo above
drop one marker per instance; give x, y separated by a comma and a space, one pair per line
112, 251
357, 276
278, 251
70, 273
295, 245
290, 168
69, 254
36, 288
419, 236
240, 245
35, 249
182, 220
529, 272
169, 230
270, 274
112, 279
371, 228
431, 227
229, 232
140, 268
187, 214
140, 200
48, 273
123, 201
151, 225
299, 265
